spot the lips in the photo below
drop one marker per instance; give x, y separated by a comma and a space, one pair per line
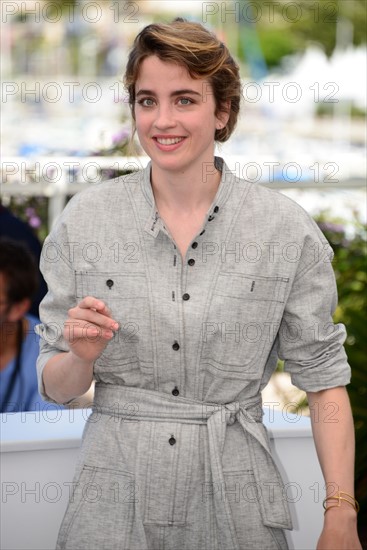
168, 141
169, 144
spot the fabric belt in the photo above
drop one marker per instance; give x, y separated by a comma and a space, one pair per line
148, 405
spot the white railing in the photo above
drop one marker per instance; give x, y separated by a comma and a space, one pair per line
59, 177
39, 451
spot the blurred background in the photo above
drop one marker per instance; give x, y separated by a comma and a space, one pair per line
66, 125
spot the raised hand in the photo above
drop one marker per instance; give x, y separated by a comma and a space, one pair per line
88, 328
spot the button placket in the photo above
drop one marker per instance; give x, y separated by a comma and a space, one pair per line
190, 262
211, 216
175, 345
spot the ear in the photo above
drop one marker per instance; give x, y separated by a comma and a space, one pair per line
18, 310
223, 115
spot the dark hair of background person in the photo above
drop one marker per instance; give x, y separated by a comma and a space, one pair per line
192, 46
19, 268
14, 228
19, 280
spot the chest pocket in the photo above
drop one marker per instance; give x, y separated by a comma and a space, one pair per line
126, 295
111, 287
242, 322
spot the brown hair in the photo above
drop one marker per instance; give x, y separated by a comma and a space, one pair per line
192, 46
19, 269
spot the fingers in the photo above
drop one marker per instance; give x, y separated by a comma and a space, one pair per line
89, 302
91, 318
75, 330
94, 311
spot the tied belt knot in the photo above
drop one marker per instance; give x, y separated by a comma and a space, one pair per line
140, 404
252, 410
231, 410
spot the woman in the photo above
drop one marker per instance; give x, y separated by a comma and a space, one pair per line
162, 278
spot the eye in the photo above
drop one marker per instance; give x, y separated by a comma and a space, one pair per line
146, 102
185, 101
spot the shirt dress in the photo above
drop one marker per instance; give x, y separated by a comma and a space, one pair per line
175, 454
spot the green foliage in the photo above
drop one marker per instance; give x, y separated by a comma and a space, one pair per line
275, 45
33, 211
327, 109
286, 27
283, 27
351, 276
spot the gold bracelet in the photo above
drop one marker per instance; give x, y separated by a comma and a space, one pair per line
338, 496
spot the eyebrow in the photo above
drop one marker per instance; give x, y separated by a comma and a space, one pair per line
173, 94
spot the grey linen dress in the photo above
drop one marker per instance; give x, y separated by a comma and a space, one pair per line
175, 455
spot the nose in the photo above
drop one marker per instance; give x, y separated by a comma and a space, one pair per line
164, 117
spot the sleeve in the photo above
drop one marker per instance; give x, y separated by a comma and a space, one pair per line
32, 399
57, 269
310, 344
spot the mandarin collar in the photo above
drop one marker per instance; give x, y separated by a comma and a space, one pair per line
154, 224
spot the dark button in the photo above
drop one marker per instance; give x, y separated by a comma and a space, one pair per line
194, 245
210, 218
109, 283
172, 440
191, 261
175, 391
176, 346
203, 231
216, 209
186, 296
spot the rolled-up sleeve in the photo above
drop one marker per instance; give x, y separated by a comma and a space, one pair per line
310, 344
59, 275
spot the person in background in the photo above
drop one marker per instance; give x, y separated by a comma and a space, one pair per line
19, 342
14, 228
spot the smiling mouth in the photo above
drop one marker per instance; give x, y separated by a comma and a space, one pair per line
169, 141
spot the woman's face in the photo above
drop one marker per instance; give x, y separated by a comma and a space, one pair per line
175, 118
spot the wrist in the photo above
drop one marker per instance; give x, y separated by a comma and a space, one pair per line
79, 361
344, 516
340, 499
344, 510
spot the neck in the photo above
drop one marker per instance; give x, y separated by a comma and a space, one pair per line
185, 191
